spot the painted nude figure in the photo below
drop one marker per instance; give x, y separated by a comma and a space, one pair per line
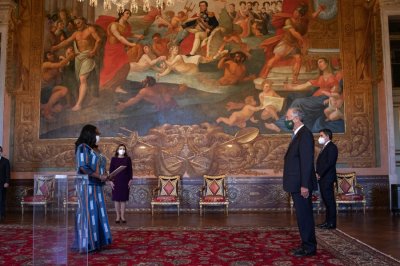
160, 95
147, 60
86, 44
334, 111
234, 69
239, 118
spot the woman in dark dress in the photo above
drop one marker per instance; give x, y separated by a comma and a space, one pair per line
122, 181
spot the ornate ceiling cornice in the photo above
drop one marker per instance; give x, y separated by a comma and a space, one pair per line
391, 3
5, 7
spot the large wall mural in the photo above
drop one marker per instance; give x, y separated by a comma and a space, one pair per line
232, 63
197, 87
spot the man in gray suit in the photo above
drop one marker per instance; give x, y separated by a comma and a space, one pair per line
299, 179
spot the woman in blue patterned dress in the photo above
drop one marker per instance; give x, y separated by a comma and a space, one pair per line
92, 231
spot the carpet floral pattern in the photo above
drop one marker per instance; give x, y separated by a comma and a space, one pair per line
193, 246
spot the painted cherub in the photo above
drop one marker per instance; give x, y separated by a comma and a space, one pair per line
270, 111
334, 111
239, 118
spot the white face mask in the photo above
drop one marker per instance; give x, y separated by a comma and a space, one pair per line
121, 152
321, 140
97, 139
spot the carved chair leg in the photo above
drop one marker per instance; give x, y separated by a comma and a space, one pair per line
226, 207
364, 206
337, 208
178, 209
22, 209
45, 209
152, 209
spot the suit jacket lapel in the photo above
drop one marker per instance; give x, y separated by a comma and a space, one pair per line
293, 140
325, 147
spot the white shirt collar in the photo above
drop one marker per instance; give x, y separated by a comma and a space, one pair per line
297, 130
326, 143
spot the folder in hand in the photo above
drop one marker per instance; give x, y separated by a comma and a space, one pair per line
116, 172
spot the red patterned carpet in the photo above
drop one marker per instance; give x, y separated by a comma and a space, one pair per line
188, 246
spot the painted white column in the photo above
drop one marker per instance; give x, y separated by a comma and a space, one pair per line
389, 9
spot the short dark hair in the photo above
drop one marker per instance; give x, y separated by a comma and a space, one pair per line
302, 9
327, 132
156, 35
46, 54
242, 55
151, 81
120, 14
203, 2
80, 18
1, 148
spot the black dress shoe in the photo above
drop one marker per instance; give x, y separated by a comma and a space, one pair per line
296, 249
188, 55
322, 225
328, 226
117, 221
123, 221
304, 253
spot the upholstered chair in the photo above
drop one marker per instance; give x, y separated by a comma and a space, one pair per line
42, 193
348, 191
167, 192
214, 192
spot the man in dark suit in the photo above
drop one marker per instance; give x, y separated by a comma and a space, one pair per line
299, 179
4, 183
326, 175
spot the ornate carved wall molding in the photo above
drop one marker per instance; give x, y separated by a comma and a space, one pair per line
7, 10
